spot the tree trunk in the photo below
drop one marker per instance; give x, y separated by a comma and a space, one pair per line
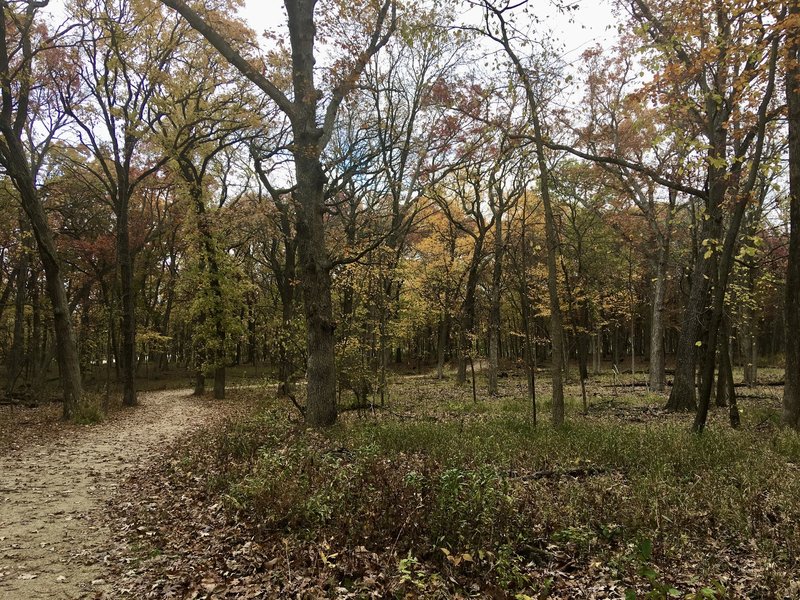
15, 159
219, 382
66, 346
725, 389
309, 142
127, 349
163, 359
791, 389
725, 265
285, 366
749, 338
596, 353
199, 383
7, 290
252, 339
657, 366
214, 353
17, 351
556, 322
37, 351
316, 285
583, 341
529, 350
494, 309
682, 396
466, 331
717, 192
441, 346
109, 299
461, 362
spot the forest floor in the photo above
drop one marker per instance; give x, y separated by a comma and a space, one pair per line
433, 495
438, 496
55, 480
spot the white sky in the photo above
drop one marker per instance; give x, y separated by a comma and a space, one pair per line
591, 22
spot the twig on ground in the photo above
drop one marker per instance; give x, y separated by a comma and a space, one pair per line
297, 404
573, 472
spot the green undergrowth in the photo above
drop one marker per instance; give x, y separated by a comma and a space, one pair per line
521, 510
90, 411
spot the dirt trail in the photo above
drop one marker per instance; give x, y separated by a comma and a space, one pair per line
51, 540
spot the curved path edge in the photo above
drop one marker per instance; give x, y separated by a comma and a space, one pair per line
52, 538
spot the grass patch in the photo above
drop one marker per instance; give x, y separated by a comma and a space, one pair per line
90, 410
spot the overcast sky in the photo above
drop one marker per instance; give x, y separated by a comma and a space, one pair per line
591, 22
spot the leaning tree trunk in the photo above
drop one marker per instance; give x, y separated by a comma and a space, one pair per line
556, 321
682, 397
726, 258
66, 346
553, 251
725, 266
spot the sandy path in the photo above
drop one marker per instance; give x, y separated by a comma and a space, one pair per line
50, 538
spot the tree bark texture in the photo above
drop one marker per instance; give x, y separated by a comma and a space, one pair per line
127, 349
791, 390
